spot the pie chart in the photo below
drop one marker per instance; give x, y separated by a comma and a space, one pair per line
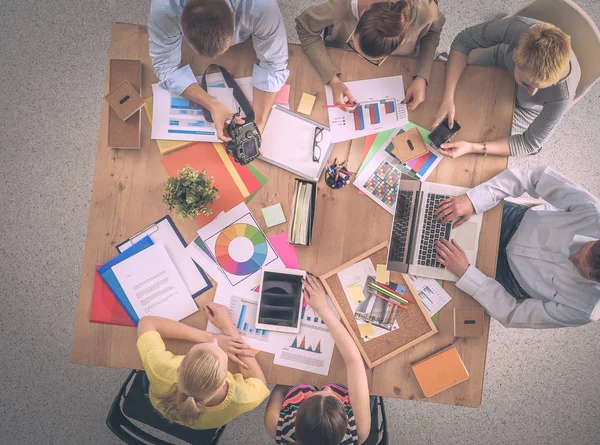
241, 249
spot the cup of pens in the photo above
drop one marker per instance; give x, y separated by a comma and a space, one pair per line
336, 175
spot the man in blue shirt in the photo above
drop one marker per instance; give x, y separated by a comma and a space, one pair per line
211, 27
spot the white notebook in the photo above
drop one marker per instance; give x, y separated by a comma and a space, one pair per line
287, 142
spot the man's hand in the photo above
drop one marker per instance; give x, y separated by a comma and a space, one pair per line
340, 91
451, 255
458, 207
315, 294
234, 347
446, 110
219, 316
456, 149
415, 93
221, 114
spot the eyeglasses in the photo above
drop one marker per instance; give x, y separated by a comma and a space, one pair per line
376, 62
316, 156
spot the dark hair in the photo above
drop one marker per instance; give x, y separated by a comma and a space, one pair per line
382, 27
208, 25
321, 420
594, 259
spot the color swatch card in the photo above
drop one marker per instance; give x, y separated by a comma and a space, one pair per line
239, 247
380, 108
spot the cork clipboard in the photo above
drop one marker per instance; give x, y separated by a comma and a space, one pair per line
415, 325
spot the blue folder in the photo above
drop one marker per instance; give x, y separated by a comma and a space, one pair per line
110, 279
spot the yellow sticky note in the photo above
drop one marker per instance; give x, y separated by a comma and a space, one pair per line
366, 330
307, 101
356, 293
383, 275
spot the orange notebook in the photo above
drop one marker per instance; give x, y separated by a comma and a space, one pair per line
440, 371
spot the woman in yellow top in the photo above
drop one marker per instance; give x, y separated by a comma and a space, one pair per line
374, 30
197, 390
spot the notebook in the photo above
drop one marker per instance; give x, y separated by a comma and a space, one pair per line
303, 213
440, 371
105, 307
288, 140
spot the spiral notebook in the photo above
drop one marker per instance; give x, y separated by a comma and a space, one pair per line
440, 371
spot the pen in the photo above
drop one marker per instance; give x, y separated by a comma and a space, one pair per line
406, 297
389, 301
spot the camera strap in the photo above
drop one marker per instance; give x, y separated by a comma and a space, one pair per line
238, 94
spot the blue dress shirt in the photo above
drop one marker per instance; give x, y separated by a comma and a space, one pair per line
257, 19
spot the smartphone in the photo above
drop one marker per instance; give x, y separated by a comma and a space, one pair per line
443, 133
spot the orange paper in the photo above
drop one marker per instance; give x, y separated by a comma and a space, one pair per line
200, 156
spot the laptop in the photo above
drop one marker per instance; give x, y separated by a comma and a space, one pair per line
415, 229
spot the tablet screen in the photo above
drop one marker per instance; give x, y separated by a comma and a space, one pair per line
281, 297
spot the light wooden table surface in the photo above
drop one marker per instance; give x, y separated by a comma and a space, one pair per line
127, 192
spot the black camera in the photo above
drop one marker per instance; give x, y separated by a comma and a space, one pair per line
245, 140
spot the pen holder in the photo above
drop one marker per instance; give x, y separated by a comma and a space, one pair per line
336, 177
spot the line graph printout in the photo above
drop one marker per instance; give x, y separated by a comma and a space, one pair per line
380, 108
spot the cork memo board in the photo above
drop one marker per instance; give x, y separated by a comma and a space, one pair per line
415, 325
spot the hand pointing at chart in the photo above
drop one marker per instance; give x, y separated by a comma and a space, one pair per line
341, 93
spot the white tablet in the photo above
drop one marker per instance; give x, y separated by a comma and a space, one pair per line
280, 300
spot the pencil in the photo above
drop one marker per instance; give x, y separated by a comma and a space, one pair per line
391, 295
391, 290
395, 303
341, 105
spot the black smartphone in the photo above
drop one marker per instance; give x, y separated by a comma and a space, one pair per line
442, 133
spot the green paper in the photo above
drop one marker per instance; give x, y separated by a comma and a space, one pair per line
377, 143
261, 178
273, 215
435, 318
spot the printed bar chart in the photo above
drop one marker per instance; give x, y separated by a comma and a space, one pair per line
243, 326
314, 319
390, 107
373, 113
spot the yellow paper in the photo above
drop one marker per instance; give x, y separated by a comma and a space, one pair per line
356, 293
231, 169
164, 146
307, 101
383, 275
366, 330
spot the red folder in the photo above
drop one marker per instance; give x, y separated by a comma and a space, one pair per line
106, 308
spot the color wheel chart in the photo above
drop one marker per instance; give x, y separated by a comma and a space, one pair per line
240, 248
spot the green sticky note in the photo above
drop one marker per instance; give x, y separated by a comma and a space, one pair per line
273, 215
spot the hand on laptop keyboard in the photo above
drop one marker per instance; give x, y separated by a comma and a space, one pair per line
459, 208
451, 255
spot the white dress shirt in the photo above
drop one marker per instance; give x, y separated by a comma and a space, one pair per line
538, 253
257, 19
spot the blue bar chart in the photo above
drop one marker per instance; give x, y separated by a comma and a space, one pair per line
243, 313
309, 315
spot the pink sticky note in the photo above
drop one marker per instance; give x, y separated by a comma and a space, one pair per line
283, 96
285, 250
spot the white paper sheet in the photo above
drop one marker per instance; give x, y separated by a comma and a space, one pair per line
176, 118
358, 273
432, 295
153, 286
380, 108
243, 247
163, 233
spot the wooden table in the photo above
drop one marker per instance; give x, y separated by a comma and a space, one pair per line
127, 192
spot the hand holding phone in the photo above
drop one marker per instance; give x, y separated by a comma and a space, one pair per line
443, 133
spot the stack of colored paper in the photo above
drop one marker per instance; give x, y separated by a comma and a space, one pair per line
236, 183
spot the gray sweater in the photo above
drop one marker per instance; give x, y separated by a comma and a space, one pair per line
551, 103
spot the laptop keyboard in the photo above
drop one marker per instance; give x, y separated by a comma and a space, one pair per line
432, 232
400, 226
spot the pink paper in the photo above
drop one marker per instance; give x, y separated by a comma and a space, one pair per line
285, 250
283, 96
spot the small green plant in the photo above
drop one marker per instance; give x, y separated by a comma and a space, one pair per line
190, 193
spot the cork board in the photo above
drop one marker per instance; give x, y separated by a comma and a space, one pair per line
415, 325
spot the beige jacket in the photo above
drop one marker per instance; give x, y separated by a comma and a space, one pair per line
341, 16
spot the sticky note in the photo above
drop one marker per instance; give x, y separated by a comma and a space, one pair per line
283, 96
273, 215
366, 330
383, 275
356, 293
307, 101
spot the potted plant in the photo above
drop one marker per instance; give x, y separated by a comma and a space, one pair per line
190, 193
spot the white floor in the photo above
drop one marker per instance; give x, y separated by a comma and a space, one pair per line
541, 387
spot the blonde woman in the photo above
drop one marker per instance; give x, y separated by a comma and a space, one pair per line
374, 30
197, 390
